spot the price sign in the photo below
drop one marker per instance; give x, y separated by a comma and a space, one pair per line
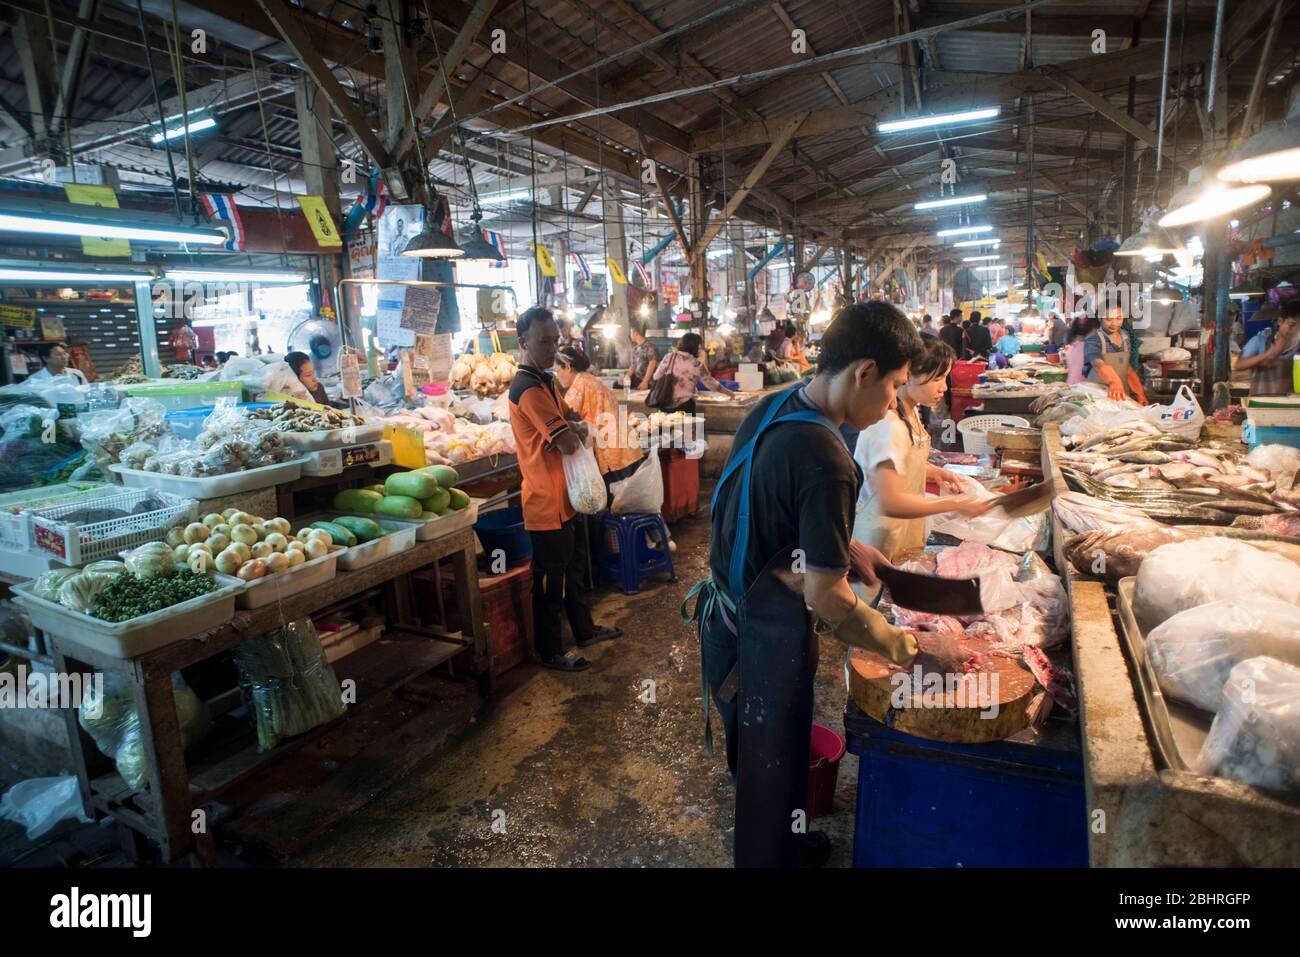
360, 455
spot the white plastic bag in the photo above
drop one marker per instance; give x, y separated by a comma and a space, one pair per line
278, 377
992, 528
1195, 650
40, 803
585, 484
1255, 738
1182, 575
642, 491
1183, 416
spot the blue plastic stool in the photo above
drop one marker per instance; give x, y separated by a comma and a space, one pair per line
635, 559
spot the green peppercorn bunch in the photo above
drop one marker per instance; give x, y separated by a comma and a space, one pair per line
128, 597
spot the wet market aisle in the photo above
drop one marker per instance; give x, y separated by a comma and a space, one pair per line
576, 770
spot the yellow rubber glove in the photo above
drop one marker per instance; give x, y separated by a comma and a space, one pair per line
864, 627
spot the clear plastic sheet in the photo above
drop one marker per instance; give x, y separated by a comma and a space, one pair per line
1255, 738
1195, 650
289, 684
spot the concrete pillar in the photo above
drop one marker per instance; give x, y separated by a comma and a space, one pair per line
615, 248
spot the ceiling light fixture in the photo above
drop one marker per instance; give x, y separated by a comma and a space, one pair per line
195, 126
977, 242
237, 275
977, 259
950, 201
1150, 239
962, 231
1214, 201
940, 119
36, 275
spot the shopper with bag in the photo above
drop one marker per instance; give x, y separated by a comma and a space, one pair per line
673, 389
549, 437
595, 403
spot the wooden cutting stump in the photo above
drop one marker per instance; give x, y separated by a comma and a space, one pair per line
960, 712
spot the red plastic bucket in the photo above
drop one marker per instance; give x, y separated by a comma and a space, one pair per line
824, 769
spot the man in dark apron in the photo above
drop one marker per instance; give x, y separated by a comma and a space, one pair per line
782, 559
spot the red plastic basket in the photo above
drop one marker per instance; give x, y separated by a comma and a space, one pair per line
966, 373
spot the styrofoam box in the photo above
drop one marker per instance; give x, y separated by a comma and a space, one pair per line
427, 530
334, 438
213, 486
128, 639
399, 537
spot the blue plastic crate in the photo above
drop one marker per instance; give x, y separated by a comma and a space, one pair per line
929, 804
188, 423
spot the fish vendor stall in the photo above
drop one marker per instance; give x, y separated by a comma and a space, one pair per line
1178, 546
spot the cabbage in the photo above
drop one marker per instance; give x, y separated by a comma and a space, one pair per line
152, 560
47, 586
80, 591
106, 568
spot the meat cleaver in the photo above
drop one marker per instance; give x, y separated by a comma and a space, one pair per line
1026, 501
932, 594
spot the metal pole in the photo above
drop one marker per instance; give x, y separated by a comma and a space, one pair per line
149, 359
1216, 49
801, 66
1164, 88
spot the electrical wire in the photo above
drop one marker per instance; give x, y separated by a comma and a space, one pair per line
157, 98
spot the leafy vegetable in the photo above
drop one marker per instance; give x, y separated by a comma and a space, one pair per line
151, 560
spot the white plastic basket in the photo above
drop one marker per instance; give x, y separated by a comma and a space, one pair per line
15, 508
75, 544
974, 428
334, 438
427, 530
127, 639
398, 536
213, 486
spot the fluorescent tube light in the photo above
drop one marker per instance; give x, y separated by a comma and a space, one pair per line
976, 259
940, 119
69, 276
962, 231
978, 242
18, 223
236, 275
950, 201
196, 126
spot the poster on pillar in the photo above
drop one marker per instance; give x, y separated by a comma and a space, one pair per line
396, 228
319, 219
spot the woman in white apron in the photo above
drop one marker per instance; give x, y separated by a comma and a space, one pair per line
1106, 356
894, 457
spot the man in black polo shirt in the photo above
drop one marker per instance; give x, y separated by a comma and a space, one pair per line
980, 338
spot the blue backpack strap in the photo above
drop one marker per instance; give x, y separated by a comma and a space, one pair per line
740, 544
741, 455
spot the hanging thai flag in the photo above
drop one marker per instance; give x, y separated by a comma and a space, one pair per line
582, 266
639, 272
222, 208
499, 244
372, 202
442, 217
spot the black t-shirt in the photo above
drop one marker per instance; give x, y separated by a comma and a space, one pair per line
803, 494
981, 340
951, 334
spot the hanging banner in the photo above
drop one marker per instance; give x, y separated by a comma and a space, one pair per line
86, 195
319, 219
222, 209
615, 273
545, 262
20, 317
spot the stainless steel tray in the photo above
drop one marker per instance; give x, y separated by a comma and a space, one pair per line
1179, 729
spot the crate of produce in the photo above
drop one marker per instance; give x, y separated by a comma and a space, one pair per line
334, 438
397, 537
281, 585
128, 639
79, 532
427, 530
212, 486
175, 394
15, 507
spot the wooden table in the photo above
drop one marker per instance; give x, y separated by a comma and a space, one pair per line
166, 812
1143, 813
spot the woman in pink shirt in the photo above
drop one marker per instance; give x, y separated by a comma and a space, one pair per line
684, 366
1072, 352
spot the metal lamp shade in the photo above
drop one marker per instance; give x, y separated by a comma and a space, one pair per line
474, 246
1150, 239
431, 242
1270, 156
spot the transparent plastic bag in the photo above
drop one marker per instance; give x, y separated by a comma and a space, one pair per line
40, 803
1182, 575
1255, 737
105, 435
642, 491
585, 484
290, 685
992, 528
1195, 650
112, 720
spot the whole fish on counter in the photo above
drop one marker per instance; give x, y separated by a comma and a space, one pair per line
1083, 513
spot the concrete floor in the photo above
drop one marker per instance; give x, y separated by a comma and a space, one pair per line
576, 769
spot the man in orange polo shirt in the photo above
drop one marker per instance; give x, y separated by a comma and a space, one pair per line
546, 429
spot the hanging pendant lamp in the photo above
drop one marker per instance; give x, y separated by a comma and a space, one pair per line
1151, 239
431, 242
473, 244
1271, 155
1195, 203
